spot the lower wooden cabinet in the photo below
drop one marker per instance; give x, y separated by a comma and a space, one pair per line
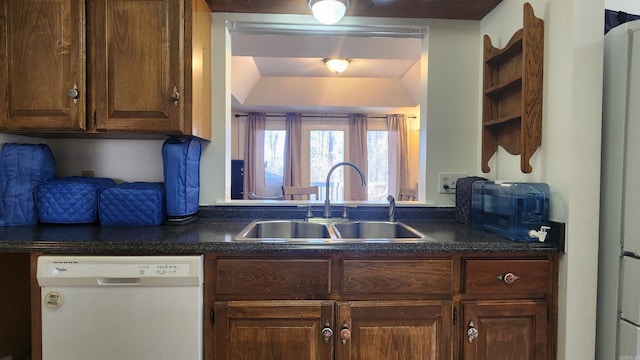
494, 330
272, 330
315, 330
394, 330
401, 307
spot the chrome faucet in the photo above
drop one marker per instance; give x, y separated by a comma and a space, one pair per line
327, 204
392, 208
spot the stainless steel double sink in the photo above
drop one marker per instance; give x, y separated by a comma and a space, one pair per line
300, 231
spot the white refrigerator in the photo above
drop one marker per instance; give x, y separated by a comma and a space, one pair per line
618, 316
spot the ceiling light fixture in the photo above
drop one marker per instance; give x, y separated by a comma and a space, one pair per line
328, 12
338, 65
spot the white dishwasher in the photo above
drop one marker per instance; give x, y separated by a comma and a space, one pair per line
121, 307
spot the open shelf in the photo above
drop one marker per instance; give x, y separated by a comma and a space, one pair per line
502, 120
512, 87
503, 87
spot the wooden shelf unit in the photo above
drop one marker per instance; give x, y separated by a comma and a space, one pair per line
512, 86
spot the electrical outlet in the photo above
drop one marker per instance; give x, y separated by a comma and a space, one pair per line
89, 173
447, 182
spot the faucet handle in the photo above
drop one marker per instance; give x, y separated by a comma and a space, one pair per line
309, 212
344, 212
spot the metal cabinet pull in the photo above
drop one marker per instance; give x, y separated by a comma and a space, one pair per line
472, 332
508, 278
74, 93
345, 333
326, 332
174, 96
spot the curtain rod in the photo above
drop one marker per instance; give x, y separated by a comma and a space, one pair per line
321, 116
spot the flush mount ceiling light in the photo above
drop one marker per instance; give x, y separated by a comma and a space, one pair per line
328, 12
338, 65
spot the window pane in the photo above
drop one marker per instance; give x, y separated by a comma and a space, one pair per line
326, 148
273, 161
378, 148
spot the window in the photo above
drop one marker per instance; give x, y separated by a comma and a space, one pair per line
273, 161
326, 148
324, 144
378, 162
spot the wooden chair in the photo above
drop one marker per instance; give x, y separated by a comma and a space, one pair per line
298, 193
408, 194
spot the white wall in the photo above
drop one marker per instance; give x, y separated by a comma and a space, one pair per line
628, 6
569, 157
121, 160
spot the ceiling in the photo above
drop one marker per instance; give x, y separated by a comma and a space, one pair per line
282, 59
302, 56
275, 72
438, 9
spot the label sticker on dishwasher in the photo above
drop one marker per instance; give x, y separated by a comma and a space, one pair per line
53, 299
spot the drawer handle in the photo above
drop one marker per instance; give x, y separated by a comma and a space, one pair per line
327, 333
472, 332
508, 278
345, 333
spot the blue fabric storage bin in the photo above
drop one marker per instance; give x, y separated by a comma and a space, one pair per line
133, 203
181, 170
22, 168
70, 200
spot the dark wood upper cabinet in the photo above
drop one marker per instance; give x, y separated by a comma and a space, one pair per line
106, 67
43, 76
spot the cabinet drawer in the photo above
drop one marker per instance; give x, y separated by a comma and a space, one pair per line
421, 277
512, 276
293, 277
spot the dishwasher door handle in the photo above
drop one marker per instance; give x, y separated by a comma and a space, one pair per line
114, 281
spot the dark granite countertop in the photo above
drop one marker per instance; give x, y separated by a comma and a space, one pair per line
216, 227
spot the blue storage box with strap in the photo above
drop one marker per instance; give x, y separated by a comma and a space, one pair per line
70, 200
23, 167
181, 170
132, 203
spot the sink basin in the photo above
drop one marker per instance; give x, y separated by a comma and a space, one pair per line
381, 230
286, 231
283, 230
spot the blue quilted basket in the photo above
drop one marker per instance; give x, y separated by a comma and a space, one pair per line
70, 200
134, 203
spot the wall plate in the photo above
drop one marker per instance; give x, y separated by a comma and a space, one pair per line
447, 181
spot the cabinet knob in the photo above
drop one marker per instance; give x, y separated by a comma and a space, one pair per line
345, 333
174, 96
508, 278
74, 93
327, 333
472, 332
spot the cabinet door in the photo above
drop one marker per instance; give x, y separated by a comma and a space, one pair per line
505, 330
138, 65
42, 52
272, 330
394, 330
